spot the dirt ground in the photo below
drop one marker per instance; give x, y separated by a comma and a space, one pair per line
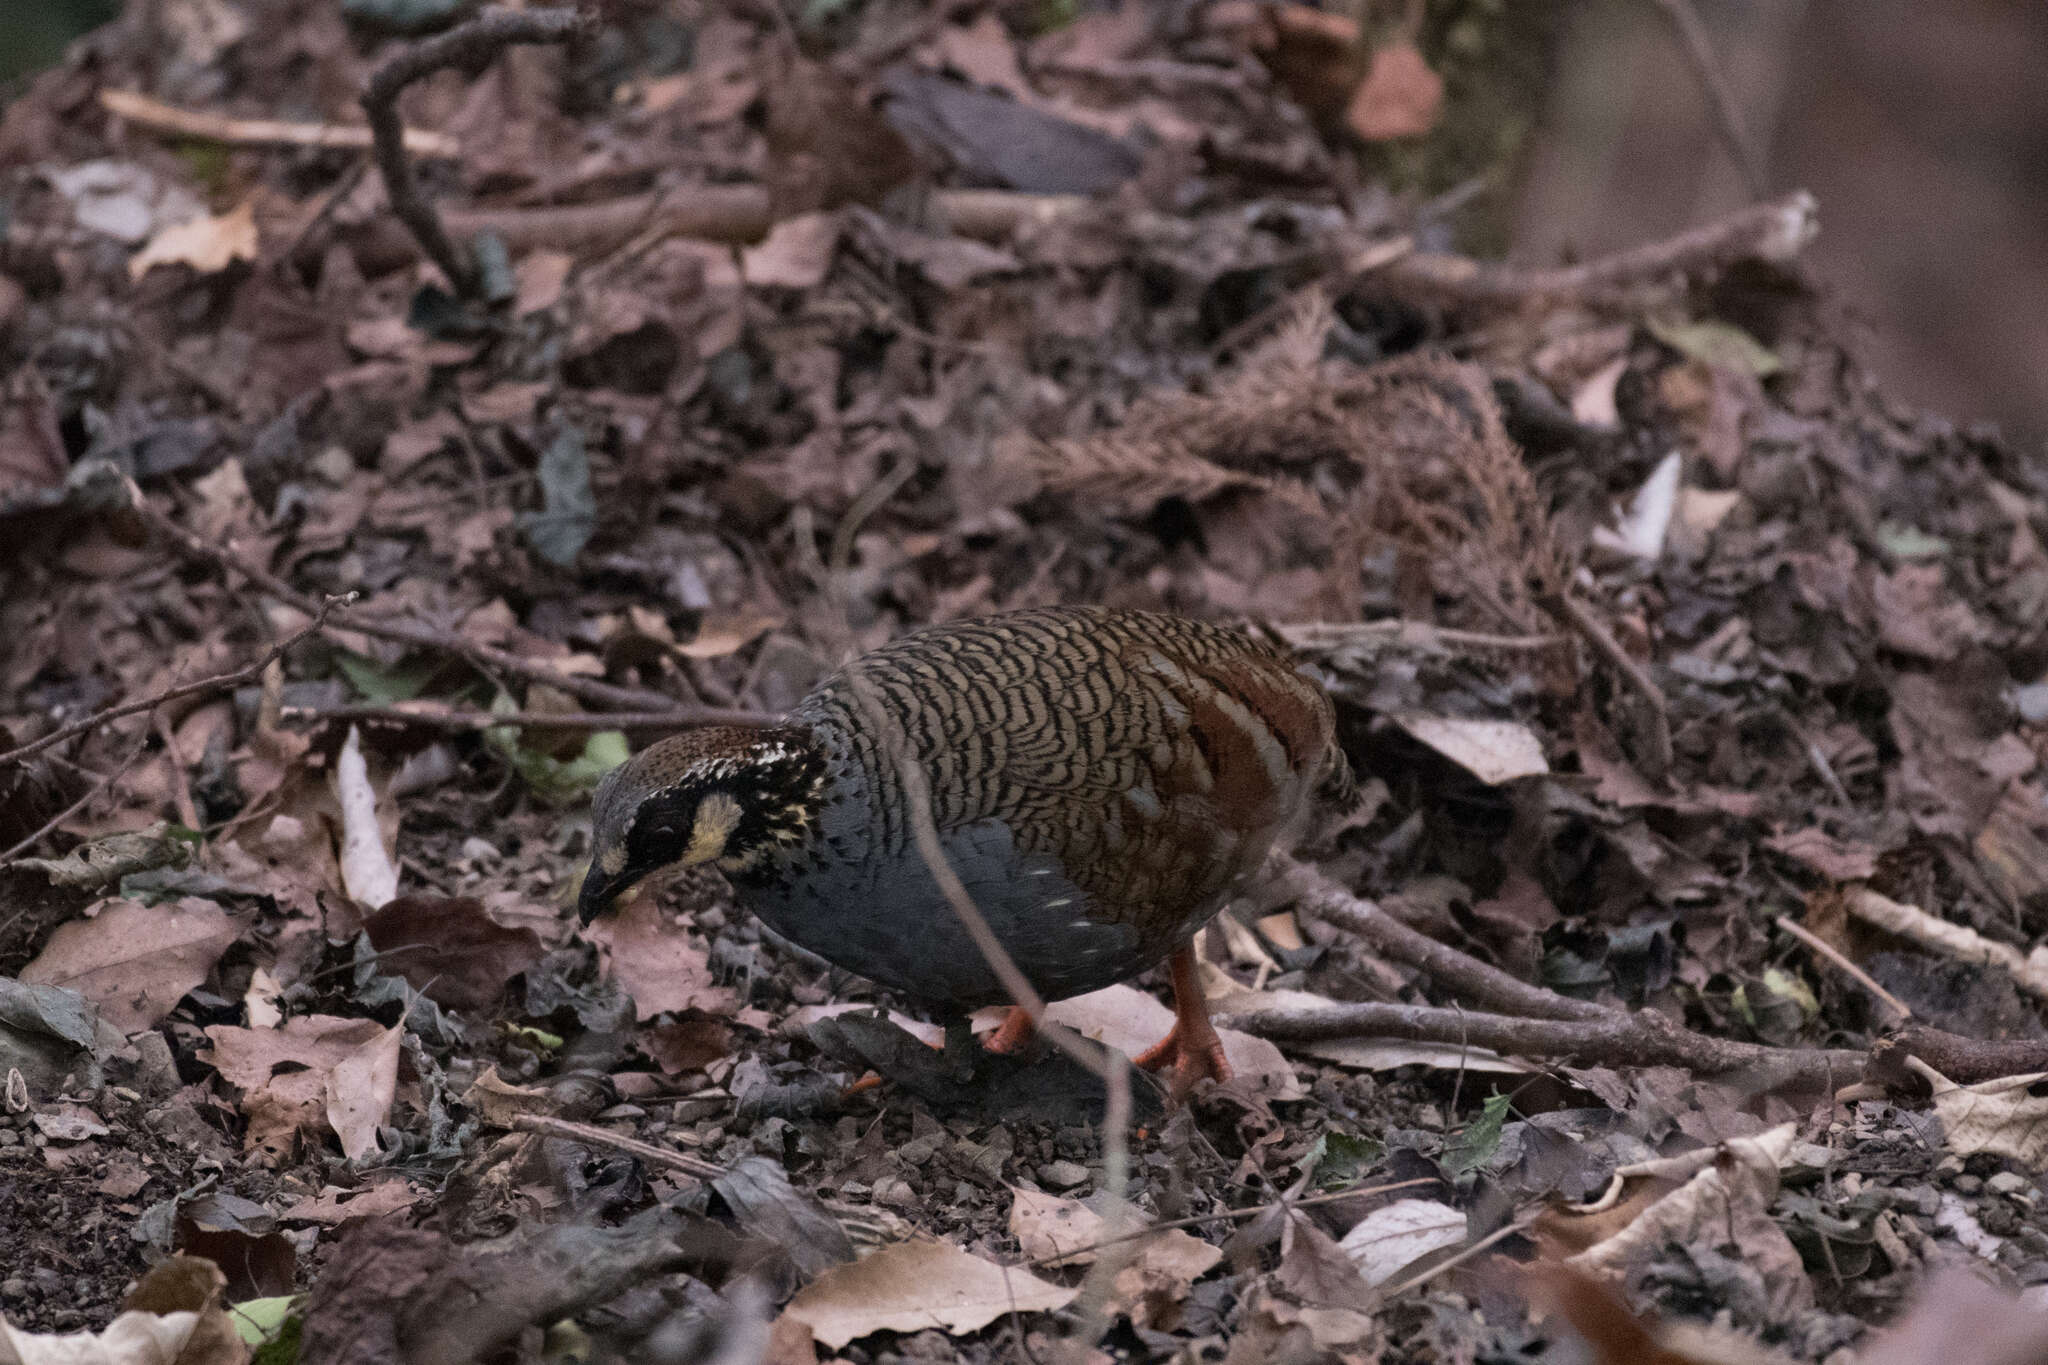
1675, 974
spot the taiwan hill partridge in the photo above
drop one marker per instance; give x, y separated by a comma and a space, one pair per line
1099, 781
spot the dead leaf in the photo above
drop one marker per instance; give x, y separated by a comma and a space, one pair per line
336, 1206
135, 961
912, 1286
657, 962
367, 868
1494, 751
1400, 96
1395, 1236
283, 1074
450, 949
1998, 1116
796, 254
1825, 854
208, 244
359, 1092
1127, 1019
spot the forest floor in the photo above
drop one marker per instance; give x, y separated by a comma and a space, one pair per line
1677, 961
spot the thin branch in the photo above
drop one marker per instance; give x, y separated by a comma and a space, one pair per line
590, 690
106, 781
217, 683
1658, 741
469, 44
1774, 231
1698, 46
466, 722
155, 115
1458, 972
1851, 970
1618, 1038
548, 1126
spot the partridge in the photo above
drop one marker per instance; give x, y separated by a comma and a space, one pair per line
1098, 779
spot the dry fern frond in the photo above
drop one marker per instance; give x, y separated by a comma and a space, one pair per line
1412, 452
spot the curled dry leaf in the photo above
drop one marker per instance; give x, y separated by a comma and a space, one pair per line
1390, 1239
1494, 751
2003, 1116
367, 868
135, 961
208, 244
913, 1286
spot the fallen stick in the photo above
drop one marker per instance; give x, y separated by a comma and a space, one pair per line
1775, 231
467, 44
155, 115
466, 722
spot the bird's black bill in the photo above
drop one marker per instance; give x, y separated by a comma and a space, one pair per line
597, 895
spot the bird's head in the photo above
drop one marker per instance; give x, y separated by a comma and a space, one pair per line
726, 797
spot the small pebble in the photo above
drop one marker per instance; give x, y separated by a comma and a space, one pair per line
1967, 1184
2010, 1182
13, 1290
1062, 1175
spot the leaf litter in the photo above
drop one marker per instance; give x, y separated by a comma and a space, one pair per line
1650, 625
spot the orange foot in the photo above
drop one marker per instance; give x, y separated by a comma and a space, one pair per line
1015, 1035
1191, 1046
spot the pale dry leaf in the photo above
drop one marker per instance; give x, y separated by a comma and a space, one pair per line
1390, 1239
1640, 533
1063, 1231
335, 1206
1998, 1116
723, 633
1127, 1019
359, 1092
1494, 751
208, 244
1729, 1200
1593, 401
135, 961
367, 869
796, 253
131, 1339
914, 1286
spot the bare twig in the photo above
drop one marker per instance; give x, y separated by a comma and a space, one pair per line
1774, 231
467, 44
1230, 1216
217, 683
1658, 741
157, 116
1455, 971
465, 722
1698, 46
548, 1126
1328, 636
107, 780
1850, 969
591, 690
1616, 1038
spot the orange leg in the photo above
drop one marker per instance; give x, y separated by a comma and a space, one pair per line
1016, 1032
1191, 1046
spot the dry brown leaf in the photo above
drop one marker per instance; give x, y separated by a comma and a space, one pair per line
1400, 96
1127, 1019
283, 1073
796, 254
336, 1206
359, 1092
657, 962
912, 1286
135, 961
450, 949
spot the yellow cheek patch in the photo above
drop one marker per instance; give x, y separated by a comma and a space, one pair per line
612, 861
718, 815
